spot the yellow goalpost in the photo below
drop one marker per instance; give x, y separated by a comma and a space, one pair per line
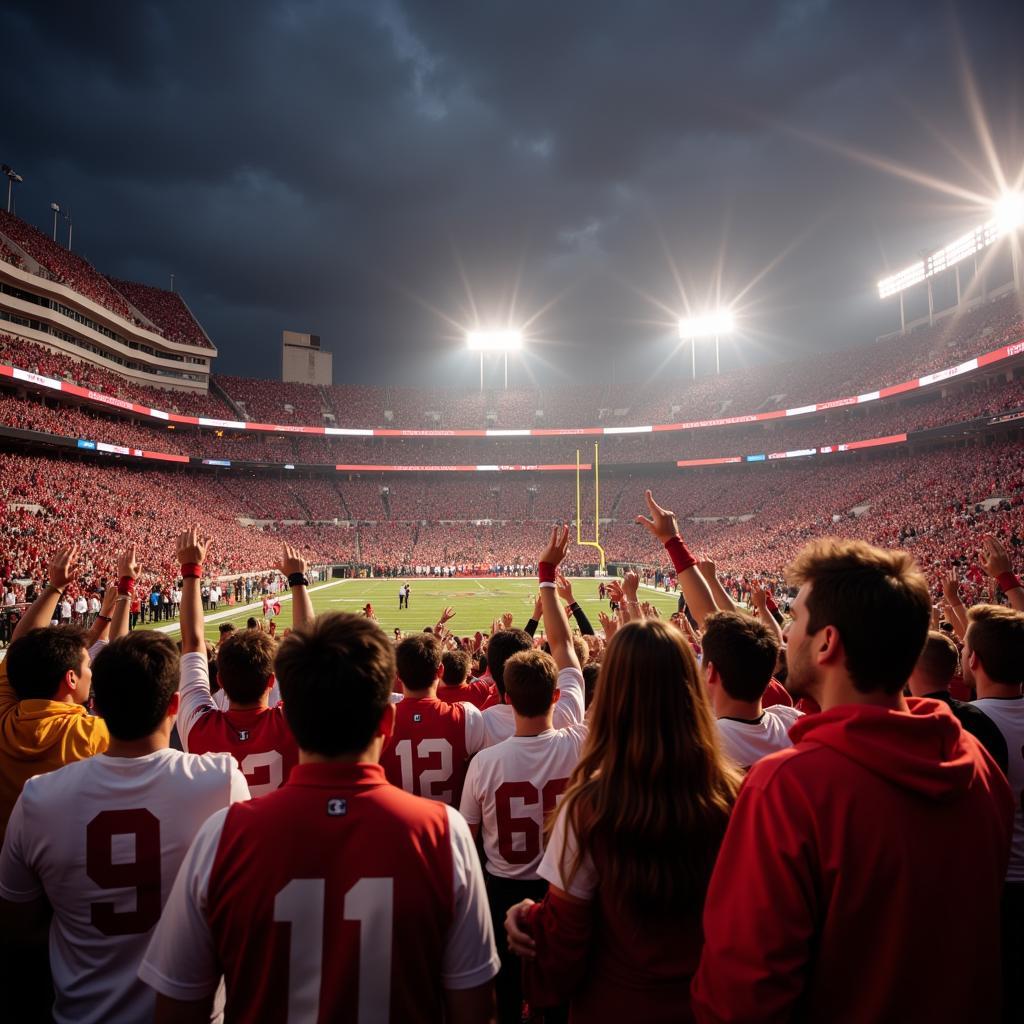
595, 543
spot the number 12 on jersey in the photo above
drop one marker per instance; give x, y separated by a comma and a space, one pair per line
370, 904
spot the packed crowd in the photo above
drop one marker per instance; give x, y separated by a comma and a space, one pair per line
65, 266
165, 310
706, 817
41, 360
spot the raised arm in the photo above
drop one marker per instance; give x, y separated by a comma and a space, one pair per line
564, 589
192, 551
294, 567
759, 599
997, 564
127, 573
954, 605
59, 574
664, 527
100, 629
556, 624
538, 614
718, 592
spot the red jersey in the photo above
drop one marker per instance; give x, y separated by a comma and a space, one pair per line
259, 739
776, 693
429, 750
338, 898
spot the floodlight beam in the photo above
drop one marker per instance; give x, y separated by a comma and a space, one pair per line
505, 340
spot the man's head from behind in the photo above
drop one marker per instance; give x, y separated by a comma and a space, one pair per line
501, 647
994, 646
456, 665
739, 654
245, 665
936, 665
419, 661
50, 663
861, 614
341, 662
135, 682
531, 683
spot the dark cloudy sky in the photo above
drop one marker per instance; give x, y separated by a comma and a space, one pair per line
382, 172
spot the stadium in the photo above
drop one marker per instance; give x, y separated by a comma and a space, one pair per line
702, 694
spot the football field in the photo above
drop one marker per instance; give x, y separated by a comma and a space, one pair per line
477, 602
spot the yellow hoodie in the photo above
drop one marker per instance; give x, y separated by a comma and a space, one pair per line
39, 736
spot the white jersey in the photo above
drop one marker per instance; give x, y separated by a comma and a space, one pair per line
1009, 717
103, 839
511, 788
747, 742
500, 720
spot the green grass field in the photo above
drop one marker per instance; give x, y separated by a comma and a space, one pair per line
477, 602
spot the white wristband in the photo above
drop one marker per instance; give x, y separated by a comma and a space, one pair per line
547, 586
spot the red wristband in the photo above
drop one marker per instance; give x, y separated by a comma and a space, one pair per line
126, 585
682, 557
191, 570
1007, 581
546, 572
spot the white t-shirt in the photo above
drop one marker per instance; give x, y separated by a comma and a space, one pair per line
181, 959
747, 742
94, 604
103, 839
1009, 717
511, 788
81, 605
563, 841
500, 720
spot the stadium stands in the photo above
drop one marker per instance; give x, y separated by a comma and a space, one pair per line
166, 310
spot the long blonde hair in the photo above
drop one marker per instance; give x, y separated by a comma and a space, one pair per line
652, 792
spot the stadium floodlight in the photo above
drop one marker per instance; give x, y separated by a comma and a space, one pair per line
1008, 212
503, 340
13, 178
506, 340
56, 209
1007, 217
709, 325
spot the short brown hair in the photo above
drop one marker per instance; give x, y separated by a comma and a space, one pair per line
744, 652
245, 663
339, 662
38, 660
418, 658
456, 667
877, 600
531, 678
939, 658
996, 635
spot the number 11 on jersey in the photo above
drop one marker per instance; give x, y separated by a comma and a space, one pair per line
370, 903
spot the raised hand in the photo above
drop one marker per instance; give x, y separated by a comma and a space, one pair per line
448, 613
291, 561
950, 587
128, 563
61, 569
563, 588
707, 568
538, 608
192, 547
662, 524
630, 583
608, 624
758, 598
557, 546
507, 620
994, 556
615, 592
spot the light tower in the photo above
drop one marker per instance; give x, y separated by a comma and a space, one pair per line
503, 340
716, 324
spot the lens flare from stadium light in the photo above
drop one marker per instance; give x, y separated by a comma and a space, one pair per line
502, 340
1008, 212
710, 325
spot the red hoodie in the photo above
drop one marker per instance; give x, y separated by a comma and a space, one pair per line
853, 866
